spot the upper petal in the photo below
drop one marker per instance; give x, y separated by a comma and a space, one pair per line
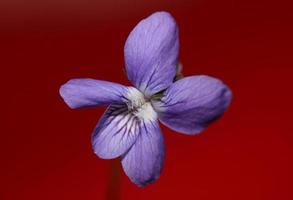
143, 163
151, 52
88, 92
192, 103
115, 133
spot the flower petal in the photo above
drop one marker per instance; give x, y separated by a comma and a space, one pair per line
115, 133
78, 93
192, 103
151, 52
143, 163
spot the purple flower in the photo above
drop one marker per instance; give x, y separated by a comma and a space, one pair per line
130, 126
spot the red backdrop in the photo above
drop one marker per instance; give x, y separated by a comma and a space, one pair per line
45, 147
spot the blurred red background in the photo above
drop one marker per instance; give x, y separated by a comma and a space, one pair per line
45, 147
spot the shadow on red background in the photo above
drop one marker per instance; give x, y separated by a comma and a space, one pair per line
45, 147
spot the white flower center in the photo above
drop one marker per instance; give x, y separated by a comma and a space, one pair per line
139, 106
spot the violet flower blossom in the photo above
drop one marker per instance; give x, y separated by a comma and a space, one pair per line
130, 126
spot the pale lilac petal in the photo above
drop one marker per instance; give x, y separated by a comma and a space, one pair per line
192, 103
86, 92
144, 161
151, 52
115, 133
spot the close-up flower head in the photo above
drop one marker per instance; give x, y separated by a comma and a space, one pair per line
130, 128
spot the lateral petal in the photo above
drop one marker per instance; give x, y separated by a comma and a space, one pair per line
192, 103
87, 92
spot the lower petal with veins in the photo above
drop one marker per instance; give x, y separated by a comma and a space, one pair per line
143, 163
115, 133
